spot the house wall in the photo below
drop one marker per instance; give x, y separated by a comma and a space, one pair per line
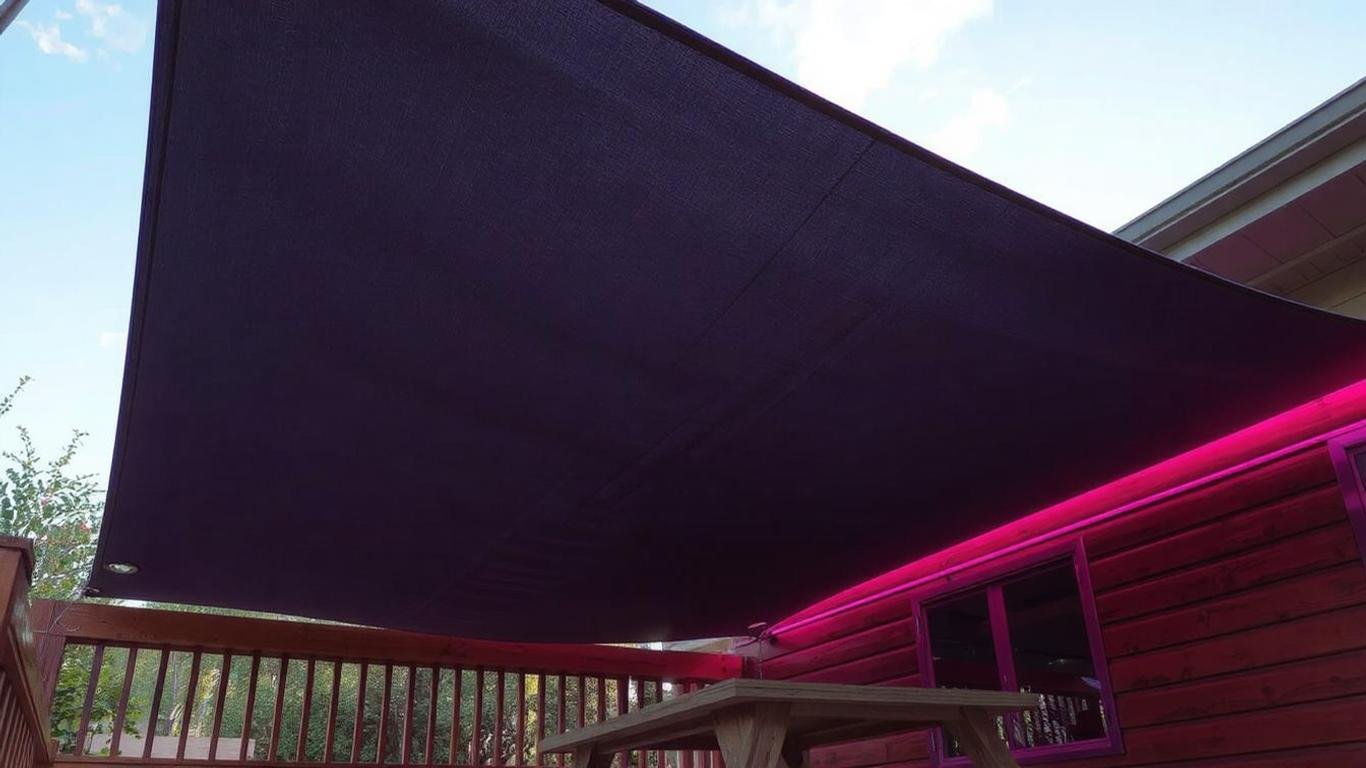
1233, 616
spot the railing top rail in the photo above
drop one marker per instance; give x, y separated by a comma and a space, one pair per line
119, 625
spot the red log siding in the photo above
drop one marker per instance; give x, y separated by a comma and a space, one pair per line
1233, 616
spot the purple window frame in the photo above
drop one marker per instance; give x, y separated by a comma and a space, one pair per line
1343, 450
1008, 570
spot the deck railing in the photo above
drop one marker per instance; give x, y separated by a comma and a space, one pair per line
23, 719
133, 686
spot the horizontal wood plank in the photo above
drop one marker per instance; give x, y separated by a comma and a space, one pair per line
1339, 587
1287, 477
857, 620
894, 663
1251, 528
1326, 677
878, 639
1320, 723
1319, 635
1305, 553
1330, 756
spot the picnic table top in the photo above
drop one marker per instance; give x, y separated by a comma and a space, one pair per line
817, 714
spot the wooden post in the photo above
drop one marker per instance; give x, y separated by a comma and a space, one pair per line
753, 739
19, 659
976, 734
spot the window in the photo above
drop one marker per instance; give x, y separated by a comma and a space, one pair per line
1033, 630
1348, 452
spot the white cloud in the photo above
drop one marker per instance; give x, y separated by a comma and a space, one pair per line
847, 49
49, 40
119, 30
115, 340
959, 137
64, 15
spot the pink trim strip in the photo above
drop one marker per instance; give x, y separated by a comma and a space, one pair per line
1348, 401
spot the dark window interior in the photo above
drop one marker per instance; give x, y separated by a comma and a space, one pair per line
1028, 632
964, 650
1052, 655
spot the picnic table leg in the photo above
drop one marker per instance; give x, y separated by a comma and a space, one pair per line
590, 757
752, 737
976, 734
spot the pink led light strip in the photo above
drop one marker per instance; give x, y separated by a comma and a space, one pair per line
1346, 403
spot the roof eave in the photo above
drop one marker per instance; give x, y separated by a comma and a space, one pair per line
1308, 141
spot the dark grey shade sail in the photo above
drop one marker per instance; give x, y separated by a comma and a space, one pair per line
555, 321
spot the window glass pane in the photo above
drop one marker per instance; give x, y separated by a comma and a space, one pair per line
1360, 459
964, 655
1053, 657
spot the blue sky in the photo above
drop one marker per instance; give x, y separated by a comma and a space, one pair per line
1099, 109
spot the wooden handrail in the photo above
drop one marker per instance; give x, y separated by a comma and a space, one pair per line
119, 625
416, 670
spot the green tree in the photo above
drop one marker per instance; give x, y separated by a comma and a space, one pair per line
41, 499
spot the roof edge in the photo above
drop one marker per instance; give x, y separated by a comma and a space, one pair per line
1310, 138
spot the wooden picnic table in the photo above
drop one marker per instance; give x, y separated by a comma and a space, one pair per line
771, 724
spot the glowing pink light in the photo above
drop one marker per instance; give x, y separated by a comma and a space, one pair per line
1287, 432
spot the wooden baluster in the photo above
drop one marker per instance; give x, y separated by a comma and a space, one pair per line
121, 713
686, 756
89, 699
248, 719
581, 715
623, 706
305, 714
219, 701
190, 691
155, 712
659, 698
540, 716
498, 720
560, 726
358, 729
8, 740
9, 706
642, 756
330, 735
18, 734
457, 689
519, 759
273, 752
384, 714
10, 728
8, 700
476, 758
404, 752
427, 753
11, 734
